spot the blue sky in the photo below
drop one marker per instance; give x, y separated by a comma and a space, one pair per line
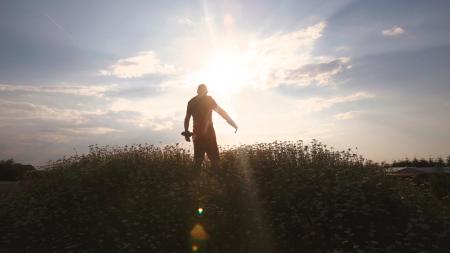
366, 74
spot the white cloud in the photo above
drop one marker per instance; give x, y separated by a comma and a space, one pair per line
43, 136
144, 63
149, 121
287, 58
10, 110
393, 31
185, 21
161, 125
275, 55
91, 130
79, 90
319, 104
64, 135
320, 73
157, 113
347, 115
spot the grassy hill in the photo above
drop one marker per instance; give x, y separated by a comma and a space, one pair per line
274, 197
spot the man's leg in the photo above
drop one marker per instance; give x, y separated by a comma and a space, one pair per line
198, 161
213, 153
199, 152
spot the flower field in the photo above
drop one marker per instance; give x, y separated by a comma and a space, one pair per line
269, 197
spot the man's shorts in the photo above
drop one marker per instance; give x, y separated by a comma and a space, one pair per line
206, 144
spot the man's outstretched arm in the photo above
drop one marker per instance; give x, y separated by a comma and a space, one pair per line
225, 115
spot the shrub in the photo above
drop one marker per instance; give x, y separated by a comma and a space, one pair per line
268, 197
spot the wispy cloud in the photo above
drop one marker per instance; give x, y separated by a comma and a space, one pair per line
319, 104
347, 115
275, 55
78, 90
144, 63
64, 135
92, 130
393, 31
118, 114
13, 111
185, 21
320, 73
287, 58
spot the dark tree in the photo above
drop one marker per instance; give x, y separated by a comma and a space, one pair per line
12, 171
439, 162
415, 162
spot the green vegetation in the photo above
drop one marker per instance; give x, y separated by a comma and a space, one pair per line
277, 197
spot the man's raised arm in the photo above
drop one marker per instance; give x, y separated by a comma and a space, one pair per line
225, 115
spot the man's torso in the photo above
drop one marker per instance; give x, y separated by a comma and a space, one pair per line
201, 107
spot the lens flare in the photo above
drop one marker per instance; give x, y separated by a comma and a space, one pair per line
198, 232
198, 239
200, 211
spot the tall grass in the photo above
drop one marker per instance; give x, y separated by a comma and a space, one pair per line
270, 197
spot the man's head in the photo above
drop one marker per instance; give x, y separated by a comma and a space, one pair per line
202, 90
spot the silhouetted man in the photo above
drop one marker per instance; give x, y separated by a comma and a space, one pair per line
200, 108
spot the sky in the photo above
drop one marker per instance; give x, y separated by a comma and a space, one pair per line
372, 76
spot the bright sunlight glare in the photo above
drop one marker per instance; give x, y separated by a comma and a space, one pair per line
225, 72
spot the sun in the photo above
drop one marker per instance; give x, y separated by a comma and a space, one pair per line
224, 72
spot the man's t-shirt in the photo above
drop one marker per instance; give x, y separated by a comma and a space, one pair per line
201, 107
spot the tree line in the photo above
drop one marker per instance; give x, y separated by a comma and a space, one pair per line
415, 162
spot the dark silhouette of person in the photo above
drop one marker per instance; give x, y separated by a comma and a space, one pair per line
200, 108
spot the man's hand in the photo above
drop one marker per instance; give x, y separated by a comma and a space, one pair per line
187, 135
233, 124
